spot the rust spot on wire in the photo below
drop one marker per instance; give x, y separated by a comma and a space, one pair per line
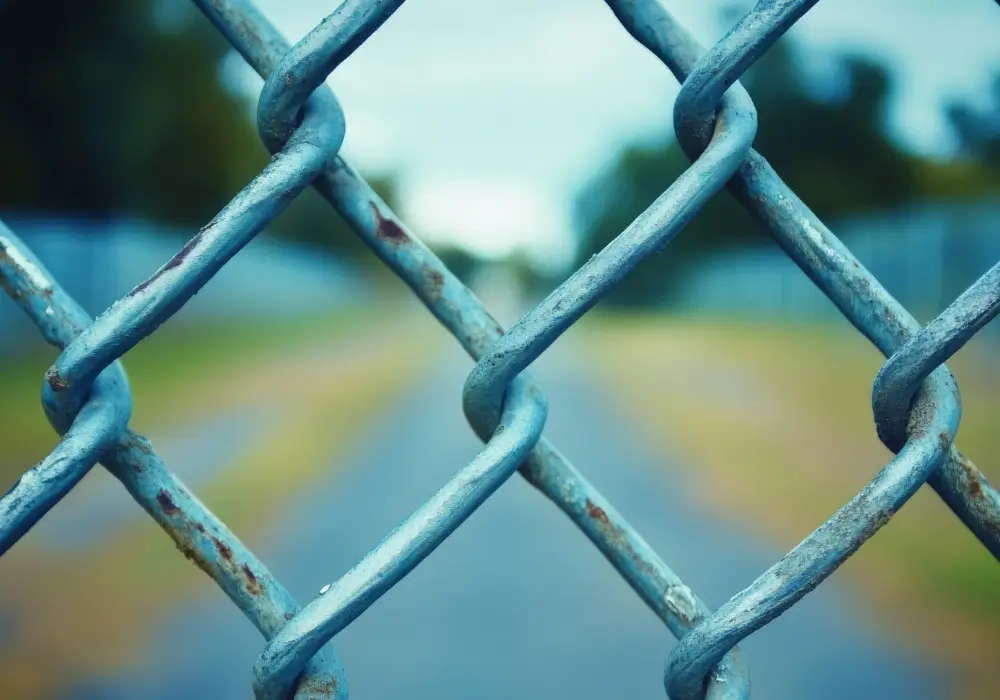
253, 585
616, 536
224, 549
167, 503
195, 556
387, 229
175, 261
55, 380
597, 514
972, 476
945, 439
318, 688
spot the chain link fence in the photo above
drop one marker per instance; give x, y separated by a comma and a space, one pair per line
925, 255
85, 394
99, 262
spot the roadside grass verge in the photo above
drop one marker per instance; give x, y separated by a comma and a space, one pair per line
93, 611
772, 424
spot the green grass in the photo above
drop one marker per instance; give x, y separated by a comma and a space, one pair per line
159, 369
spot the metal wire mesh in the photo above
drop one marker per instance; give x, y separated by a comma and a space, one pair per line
86, 395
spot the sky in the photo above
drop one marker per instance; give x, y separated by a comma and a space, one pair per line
492, 114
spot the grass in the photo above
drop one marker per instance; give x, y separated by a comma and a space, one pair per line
773, 423
126, 584
161, 369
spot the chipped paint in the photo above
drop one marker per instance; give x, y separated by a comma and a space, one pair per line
31, 273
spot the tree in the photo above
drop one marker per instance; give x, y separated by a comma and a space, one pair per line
109, 112
832, 149
116, 107
978, 130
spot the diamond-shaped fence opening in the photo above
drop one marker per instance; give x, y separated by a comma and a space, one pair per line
87, 399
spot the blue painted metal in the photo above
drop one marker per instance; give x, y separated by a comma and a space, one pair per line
96, 427
900, 378
131, 459
87, 400
306, 65
519, 429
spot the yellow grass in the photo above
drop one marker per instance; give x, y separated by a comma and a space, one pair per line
773, 422
93, 610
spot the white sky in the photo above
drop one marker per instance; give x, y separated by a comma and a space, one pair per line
494, 112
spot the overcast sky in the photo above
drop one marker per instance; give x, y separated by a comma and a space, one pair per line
494, 112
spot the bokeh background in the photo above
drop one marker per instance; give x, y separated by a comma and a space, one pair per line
716, 397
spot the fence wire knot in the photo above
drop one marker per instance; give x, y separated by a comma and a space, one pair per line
87, 399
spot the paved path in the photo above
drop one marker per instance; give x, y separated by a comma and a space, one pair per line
516, 604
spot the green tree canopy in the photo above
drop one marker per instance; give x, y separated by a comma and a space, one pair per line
832, 149
978, 129
116, 107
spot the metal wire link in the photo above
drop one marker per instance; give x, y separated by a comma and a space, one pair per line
87, 400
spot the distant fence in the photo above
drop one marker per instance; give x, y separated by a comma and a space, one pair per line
923, 255
98, 262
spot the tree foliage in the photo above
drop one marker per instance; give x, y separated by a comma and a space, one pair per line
832, 149
116, 107
978, 129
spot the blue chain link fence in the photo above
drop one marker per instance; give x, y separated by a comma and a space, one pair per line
924, 255
97, 262
85, 394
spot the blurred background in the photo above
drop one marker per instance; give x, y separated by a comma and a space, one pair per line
716, 397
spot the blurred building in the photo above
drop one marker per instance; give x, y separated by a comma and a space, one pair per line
925, 256
100, 262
